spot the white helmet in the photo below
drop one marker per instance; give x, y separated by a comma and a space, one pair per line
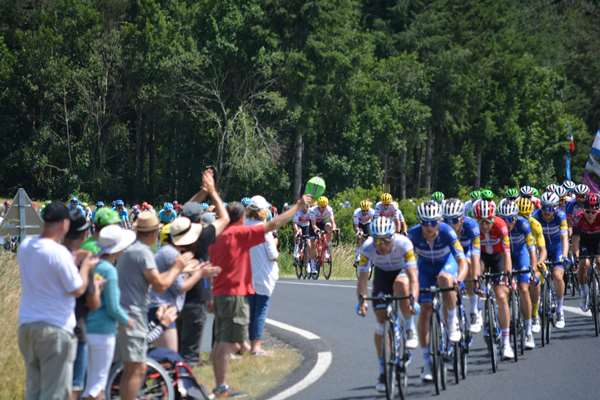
526, 191
550, 199
561, 191
569, 185
551, 187
382, 227
429, 211
581, 189
453, 208
508, 208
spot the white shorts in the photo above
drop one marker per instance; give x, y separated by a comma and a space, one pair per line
101, 349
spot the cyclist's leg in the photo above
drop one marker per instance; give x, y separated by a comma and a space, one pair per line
383, 283
555, 254
427, 278
328, 232
445, 279
521, 262
402, 289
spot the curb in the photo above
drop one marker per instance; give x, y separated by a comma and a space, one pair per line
316, 361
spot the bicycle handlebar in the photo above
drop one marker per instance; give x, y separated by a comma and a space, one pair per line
435, 289
386, 298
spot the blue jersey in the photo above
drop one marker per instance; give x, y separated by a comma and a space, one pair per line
571, 208
166, 217
469, 236
521, 237
553, 229
124, 215
444, 244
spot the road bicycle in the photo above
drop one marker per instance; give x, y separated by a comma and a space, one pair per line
517, 331
324, 260
157, 382
302, 261
547, 310
594, 295
396, 355
465, 340
570, 277
491, 327
361, 237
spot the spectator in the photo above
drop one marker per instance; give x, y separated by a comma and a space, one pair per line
104, 216
50, 282
265, 272
90, 300
191, 322
102, 323
231, 251
183, 236
137, 272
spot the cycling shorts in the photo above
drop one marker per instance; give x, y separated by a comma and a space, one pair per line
428, 273
493, 264
521, 261
589, 244
365, 228
307, 231
555, 254
383, 283
312, 233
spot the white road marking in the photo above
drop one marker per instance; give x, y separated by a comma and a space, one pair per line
577, 310
323, 362
315, 284
305, 334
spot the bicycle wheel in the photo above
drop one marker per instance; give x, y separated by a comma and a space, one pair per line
157, 383
327, 267
370, 272
389, 356
547, 312
594, 300
490, 322
514, 311
434, 353
520, 327
299, 264
315, 275
542, 313
463, 345
442, 350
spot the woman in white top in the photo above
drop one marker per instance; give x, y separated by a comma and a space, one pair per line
265, 273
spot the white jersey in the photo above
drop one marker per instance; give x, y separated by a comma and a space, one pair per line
320, 215
390, 211
400, 258
362, 218
302, 218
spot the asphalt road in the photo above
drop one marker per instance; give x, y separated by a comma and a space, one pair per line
566, 369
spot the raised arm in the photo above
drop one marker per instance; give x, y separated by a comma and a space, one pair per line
287, 216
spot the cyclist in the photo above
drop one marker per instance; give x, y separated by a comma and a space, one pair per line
563, 197
467, 230
246, 201
569, 187
554, 224
439, 197
524, 257
123, 213
586, 241
74, 204
577, 204
99, 205
530, 193
302, 226
395, 273
525, 209
511, 194
496, 258
361, 222
167, 214
487, 194
441, 261
386, 207
177, 207
552, 188
473, 197
322, 219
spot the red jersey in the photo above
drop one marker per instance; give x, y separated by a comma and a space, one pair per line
497, 240
582, 227
231, 252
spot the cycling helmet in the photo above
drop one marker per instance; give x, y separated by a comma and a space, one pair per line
526, 191
382, 227
365, 205
168, 206
561, 192
323, 201
551, 187
569, 185
386, 198
525, 206
592, 201
246, 201
511, 193
438, 197
484, 209
581, 189
453, 208
487, 194
549, 199
475, 195
536, 192
119, 203
429, 211
99, 204
74, 200
507, 208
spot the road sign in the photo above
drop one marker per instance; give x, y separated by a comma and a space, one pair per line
21, 219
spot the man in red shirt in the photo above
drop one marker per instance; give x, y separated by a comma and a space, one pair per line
231, 252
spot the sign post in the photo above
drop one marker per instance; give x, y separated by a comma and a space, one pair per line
21, 218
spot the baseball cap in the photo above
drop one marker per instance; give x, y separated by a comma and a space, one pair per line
193, 211
259, 202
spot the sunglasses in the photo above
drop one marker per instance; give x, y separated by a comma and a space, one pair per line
509, 220
488, 221
429, 223
591, 211
383, 241
548, 209
452, 221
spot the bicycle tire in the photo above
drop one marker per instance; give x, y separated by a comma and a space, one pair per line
464, 342
491, 328
547, 312
443, 350
434, 353
520, 327
594, 300
456, 362
389, 357
327, 268
514, 311
154, 371
542, 313
370, 272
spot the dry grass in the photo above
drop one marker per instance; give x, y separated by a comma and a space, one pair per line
255, 375
12, 370
343, 259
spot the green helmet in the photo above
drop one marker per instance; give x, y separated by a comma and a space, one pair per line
511, 193
438, 197
475, 195
106, 216
487, 194
536, 192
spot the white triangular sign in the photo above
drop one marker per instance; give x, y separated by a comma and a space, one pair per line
21, 219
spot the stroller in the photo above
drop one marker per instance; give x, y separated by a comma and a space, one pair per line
168, 377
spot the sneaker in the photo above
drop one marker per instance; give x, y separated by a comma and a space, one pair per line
529, 342
454, 333
507, 352
225, 392
560, 321
426, 375
475, 323
380, 385
536, 327
411, 339
583, 303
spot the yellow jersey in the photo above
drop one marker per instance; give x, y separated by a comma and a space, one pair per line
537, 232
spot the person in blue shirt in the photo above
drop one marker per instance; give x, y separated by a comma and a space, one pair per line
123, 213
441, 262
167, 214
